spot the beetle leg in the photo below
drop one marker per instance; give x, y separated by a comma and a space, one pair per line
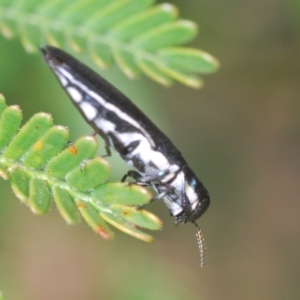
137, 178
107, 148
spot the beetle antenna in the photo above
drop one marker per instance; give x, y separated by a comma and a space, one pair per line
201, 246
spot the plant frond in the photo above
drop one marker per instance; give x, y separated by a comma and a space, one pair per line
41, 165
136, 35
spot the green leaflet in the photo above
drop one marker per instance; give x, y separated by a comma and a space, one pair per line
186, 78
39, 196
9, 124
19, 183
65, 205
46, 147
136, 25
126, 62
93, 173
72, 157
122, 193
30, 133
134, 215
92, 217
114, 12
101, 54
126, 227
151, 69
41, 166
189, 59
167, 35
81, 9
133, 33
30, 36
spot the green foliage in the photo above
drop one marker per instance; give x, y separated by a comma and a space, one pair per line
133, 33
41, 164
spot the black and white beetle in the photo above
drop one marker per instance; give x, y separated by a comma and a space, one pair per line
134, 137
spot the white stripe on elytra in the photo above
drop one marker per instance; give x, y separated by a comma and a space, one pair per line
105, 126
89, 110
60, 71
174, 207
74, 94
191, 194
178, 181
143, 150
62, 79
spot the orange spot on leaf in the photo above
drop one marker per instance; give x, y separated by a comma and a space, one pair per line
38, 146
73, 149
127, 212
81, 205
103, 233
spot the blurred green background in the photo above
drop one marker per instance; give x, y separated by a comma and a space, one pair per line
240, 134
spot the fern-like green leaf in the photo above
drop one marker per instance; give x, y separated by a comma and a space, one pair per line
41, 165
135, 34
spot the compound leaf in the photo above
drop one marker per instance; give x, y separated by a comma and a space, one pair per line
41, 165
136, 34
